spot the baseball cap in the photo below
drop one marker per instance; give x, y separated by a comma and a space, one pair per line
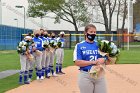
62, 33
28, 37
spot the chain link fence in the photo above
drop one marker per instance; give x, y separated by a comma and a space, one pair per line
10, 36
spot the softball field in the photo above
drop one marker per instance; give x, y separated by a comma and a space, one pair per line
122, 78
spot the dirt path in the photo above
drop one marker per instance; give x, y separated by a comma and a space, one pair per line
120, 79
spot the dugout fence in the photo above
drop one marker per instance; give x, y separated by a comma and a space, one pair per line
121, 40
10, 36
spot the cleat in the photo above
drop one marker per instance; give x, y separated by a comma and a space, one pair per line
37, 78
29, 80
61, 72
20, 83
48, 77
49, 74
57, 72
42, 77
55, 75
26, 82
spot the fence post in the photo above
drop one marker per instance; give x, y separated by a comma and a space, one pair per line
70, 41
123, 40
21, 38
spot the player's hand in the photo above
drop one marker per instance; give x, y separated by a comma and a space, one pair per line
34, 49
101, 60
94, 62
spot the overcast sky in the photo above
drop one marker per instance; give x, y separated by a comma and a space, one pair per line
9, 13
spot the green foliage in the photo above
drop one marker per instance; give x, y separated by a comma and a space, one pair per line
72, 11
59, 44
106, 48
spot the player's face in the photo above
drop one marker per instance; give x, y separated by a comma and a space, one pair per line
37, 33
90, 34
91, 30
45, 33
62, 35
52, 34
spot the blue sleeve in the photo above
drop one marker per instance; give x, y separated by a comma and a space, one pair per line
77, 54
40, 47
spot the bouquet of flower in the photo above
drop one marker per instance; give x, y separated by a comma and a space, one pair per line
22, 47
106, 49
109, 49
45, 44
53, 45
59, 44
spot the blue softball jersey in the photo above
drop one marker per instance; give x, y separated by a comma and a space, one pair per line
62, 40
86, 51
38, 43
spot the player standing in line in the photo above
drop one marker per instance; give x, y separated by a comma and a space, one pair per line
43, 53
53, 43
85, 56
60, 53
47, 69
24, 51
37, 52
31, 62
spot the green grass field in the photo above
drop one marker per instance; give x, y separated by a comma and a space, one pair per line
10, 60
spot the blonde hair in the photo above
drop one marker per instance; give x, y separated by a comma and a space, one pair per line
89, 26
36, 31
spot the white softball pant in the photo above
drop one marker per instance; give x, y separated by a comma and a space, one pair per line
52, 56
59, 55
47, 63
38, 59
43, 61
24, 63
90, 85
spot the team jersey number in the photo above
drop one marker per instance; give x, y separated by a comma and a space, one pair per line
93, 58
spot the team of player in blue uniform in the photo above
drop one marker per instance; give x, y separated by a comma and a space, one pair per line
39, 52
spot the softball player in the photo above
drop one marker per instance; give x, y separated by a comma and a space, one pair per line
37, 52
47, 63
60, 53
85, 56
24, 61
31, 62
53, 43
43, 54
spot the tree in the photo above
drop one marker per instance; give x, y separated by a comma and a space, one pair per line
107, 7
121, 11
136, 13
72, 11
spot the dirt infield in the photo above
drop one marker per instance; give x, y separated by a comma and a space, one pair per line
120, 79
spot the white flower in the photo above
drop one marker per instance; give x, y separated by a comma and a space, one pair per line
55, 43
46, 42
24, 43
24, 48
112, 45
52, 41
114, 48
20, 44
106, 41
